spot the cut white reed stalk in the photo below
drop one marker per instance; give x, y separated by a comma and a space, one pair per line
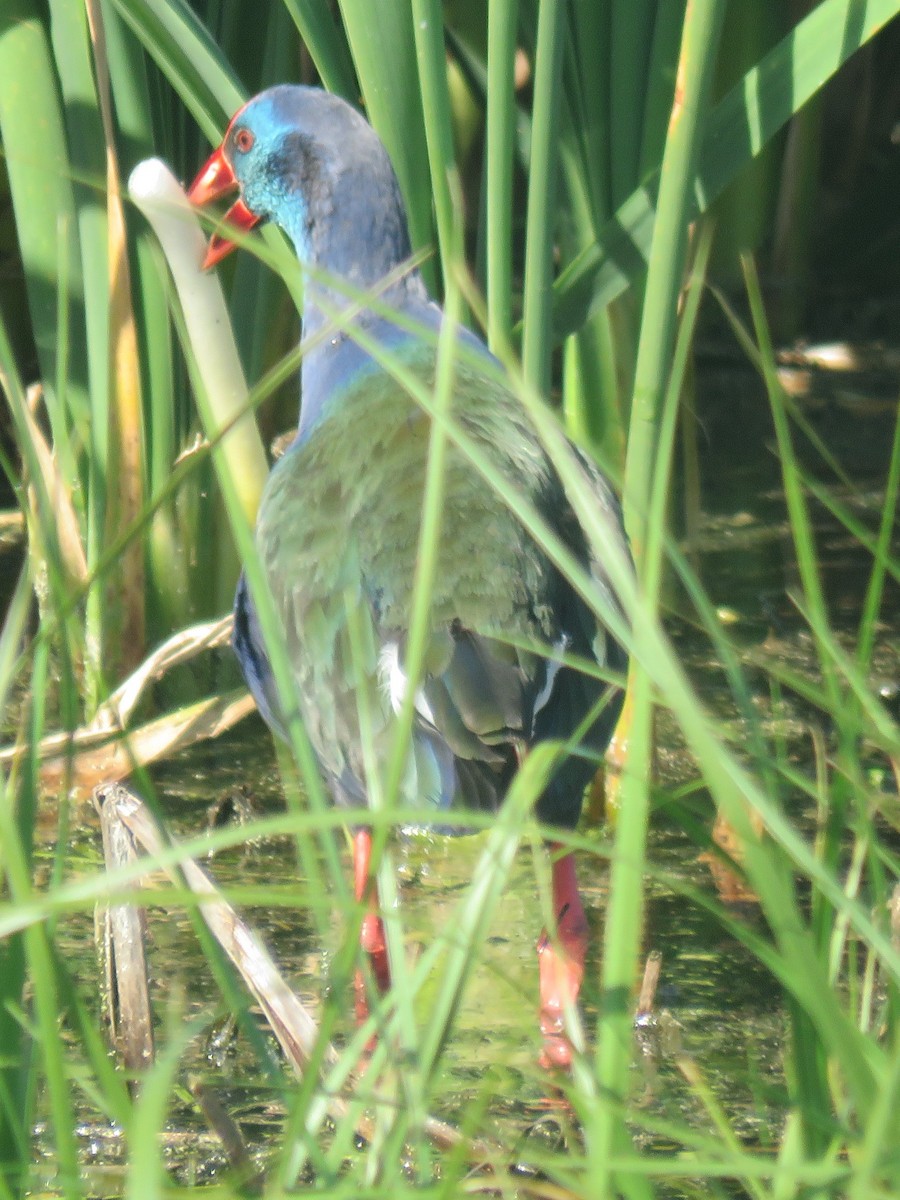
223, 393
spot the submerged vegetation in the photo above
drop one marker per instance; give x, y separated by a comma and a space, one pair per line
595, 173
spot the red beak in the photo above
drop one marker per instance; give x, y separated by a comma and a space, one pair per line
216, 179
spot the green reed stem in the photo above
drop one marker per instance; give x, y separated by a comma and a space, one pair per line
658, 324
500, 124
541, 217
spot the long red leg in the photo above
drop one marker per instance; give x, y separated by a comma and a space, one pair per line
371, 936
561, 961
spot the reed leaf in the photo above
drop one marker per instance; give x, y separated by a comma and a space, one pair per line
739, 126
384, 55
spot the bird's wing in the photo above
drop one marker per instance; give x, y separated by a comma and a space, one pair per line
339, 533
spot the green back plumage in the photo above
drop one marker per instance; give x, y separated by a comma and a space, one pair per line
338, 534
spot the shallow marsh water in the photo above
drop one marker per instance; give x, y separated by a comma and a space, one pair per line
715, 1004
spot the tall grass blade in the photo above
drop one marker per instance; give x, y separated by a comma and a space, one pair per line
738, 128
883, 563
623, 928
34, 144
124, 588
540, 225
188, 56
500, 121
326, 44
384, 54
165, 417
431, 55
84, 302
630, 36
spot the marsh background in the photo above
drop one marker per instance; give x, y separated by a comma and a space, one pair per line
709, 302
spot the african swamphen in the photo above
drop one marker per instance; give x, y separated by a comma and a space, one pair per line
340, 518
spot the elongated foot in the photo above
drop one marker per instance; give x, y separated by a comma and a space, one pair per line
561, 964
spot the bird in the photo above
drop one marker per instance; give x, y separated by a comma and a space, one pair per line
338, 528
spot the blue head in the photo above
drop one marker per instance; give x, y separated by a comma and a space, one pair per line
306, 160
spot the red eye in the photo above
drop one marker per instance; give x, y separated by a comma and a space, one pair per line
243, 140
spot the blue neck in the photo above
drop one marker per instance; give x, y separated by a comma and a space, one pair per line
337, 360
357, 235
346, 219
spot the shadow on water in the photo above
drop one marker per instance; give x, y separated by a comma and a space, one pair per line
716, 1004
